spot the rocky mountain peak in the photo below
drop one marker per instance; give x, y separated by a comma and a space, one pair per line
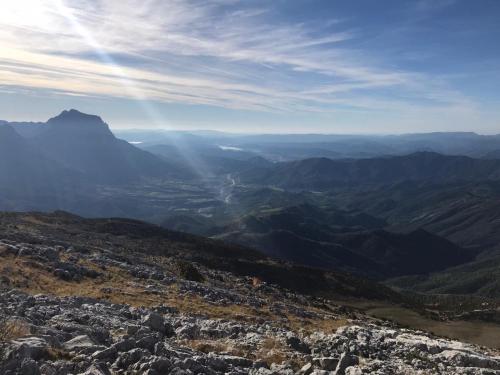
73, 115
76, 121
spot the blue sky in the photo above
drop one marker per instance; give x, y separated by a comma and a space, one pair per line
255, 66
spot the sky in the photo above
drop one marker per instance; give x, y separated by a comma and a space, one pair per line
272, 66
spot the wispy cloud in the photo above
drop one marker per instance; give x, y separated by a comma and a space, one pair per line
214, 52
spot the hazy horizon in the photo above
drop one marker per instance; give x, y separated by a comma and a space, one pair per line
133, 129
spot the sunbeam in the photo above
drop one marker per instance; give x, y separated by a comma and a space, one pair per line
151, 114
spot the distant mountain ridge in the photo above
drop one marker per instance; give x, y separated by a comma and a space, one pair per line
323, 173
385, 217
25, 129
289, 147
27, 175
64, 162
21, 162
206, 160
339, 240
83, 143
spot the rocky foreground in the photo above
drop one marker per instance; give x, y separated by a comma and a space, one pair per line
96, 309
77, 335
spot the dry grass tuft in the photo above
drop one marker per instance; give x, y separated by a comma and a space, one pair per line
117, 286
207, 346
272, 351
219, 347
309, 326
11, 329
256, 282
58, 354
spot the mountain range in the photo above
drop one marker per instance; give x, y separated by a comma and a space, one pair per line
350, 242
27, 175
288, 147
422, 221
84, 145
323, 173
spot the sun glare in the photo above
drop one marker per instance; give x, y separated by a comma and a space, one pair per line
36, 14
